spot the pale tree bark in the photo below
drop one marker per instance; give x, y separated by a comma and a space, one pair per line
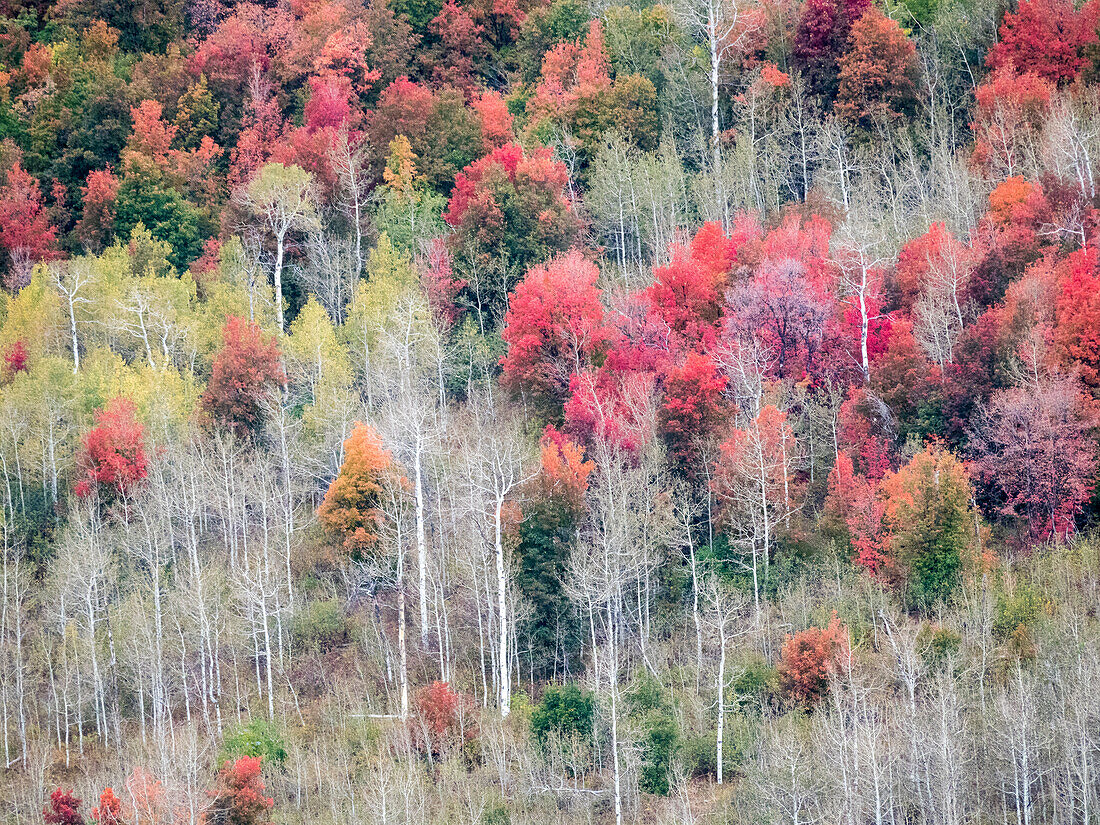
73, 279
281, 198
498, 463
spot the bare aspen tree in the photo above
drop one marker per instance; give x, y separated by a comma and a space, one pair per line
724, 608
349, 161
626, 497
73, 280
723, 26
411, 344
859, 287
498, 463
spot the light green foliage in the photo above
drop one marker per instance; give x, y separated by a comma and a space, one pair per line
34, 317
408, 211
258, 737
390, 278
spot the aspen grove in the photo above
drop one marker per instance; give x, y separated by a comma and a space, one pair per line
530, 412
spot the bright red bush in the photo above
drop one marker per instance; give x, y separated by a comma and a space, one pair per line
440, 718
238, 796
109, 811
112, 458
15, 358
553, 328
63, 809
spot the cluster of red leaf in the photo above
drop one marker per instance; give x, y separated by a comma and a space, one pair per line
246, 370
811, 658
441, 719
112, 456
238, 796
27, 234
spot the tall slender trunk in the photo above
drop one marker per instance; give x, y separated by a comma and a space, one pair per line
720, 740
502, 608
421, 539
715, 126
278, 278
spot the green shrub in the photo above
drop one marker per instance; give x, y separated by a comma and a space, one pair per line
650, 707
660, 746
699, 756
756, 685
1020, 608
937, 644
565, 710
257, 737
496, 814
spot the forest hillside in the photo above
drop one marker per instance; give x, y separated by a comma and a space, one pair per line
547, 412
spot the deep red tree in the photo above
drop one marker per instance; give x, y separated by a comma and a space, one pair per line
246, 370
238, 795
688, 294
692, 410
1077, 334
63, 809
822, 37
15, 358
112, 456
1050, 38
26, 232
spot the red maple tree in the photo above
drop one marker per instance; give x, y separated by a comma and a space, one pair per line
245, 371
810, 658
238, 796
553, 328
109, 810
26, 231
63, 809
1050, 38
112, 457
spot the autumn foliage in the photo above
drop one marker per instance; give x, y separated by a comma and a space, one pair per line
62, 809
112, 459
878, 74
442, 718
931, 523
245, 371
351, 507
554, 328
512, 205
238, 797
15, 359
1050, 38
811, 658
109, 810
26, 232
